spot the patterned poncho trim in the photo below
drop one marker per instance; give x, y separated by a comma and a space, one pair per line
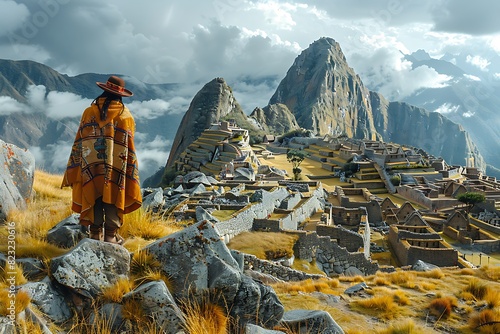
103, 162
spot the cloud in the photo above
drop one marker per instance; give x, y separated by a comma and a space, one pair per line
151, 153
12, 16
149, 109
468, 17
468, 114
53, 157
9, 105
478, 61
387, 72
447, 108
278, 14
472, 77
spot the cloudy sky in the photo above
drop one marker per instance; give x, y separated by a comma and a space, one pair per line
251, 43
197, 40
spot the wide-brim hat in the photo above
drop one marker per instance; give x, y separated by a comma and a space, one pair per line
115, 85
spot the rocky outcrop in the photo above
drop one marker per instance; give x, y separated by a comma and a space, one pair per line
199, 266
275, 119
17, 171
196, 259
214, 102
326, 96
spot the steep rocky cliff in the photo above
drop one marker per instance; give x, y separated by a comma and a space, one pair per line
214, 102
326, 96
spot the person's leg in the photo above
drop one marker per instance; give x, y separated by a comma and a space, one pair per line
112, 223
96, 227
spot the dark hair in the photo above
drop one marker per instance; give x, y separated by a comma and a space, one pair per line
108, 98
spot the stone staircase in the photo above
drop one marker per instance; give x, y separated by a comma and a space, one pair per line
199, 155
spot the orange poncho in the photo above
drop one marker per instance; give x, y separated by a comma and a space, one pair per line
103, 162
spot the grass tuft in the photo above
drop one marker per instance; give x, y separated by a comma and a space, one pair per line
384, 304
486, 321
115, 293
492, 298
203, 316
142, 262
442, 307
404, 327
146, 225
477, 287
403, 278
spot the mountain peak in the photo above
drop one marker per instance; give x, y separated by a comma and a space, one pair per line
420, 55
212, 103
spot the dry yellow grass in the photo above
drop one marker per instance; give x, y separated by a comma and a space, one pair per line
203, 316
146, 225
115, 292
477, 287
404, 327
325, 285
404, 292
264, 245
486, 321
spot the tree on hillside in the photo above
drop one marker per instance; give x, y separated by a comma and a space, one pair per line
471, 199
295, 157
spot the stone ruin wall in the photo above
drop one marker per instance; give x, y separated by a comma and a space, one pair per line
329, 256
276, 270
442, 257
243, 221
352, 241
371, 205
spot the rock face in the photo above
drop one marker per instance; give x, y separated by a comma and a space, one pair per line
214, 102
326, 96
91, 266
17, 168
275, 119
196, 259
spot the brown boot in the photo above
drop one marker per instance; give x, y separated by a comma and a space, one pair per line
113, 237
96, 232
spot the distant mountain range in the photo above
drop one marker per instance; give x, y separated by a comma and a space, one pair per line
470, 99
320, 92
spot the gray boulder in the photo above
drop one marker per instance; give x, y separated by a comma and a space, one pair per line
197, 258
356, 288
202, 214
212, 180
153, 200
353, 271
68, 232
202, 179
307, 321
91, 266
197, 189
158, 303
32, 267
420, 265
49, 298
244, 174
17, 172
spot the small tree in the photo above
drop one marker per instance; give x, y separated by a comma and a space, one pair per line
396, 180
471, 199
295, 157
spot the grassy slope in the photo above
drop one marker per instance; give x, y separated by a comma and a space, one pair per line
396, 303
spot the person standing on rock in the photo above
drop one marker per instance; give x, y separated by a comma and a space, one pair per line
102, 168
